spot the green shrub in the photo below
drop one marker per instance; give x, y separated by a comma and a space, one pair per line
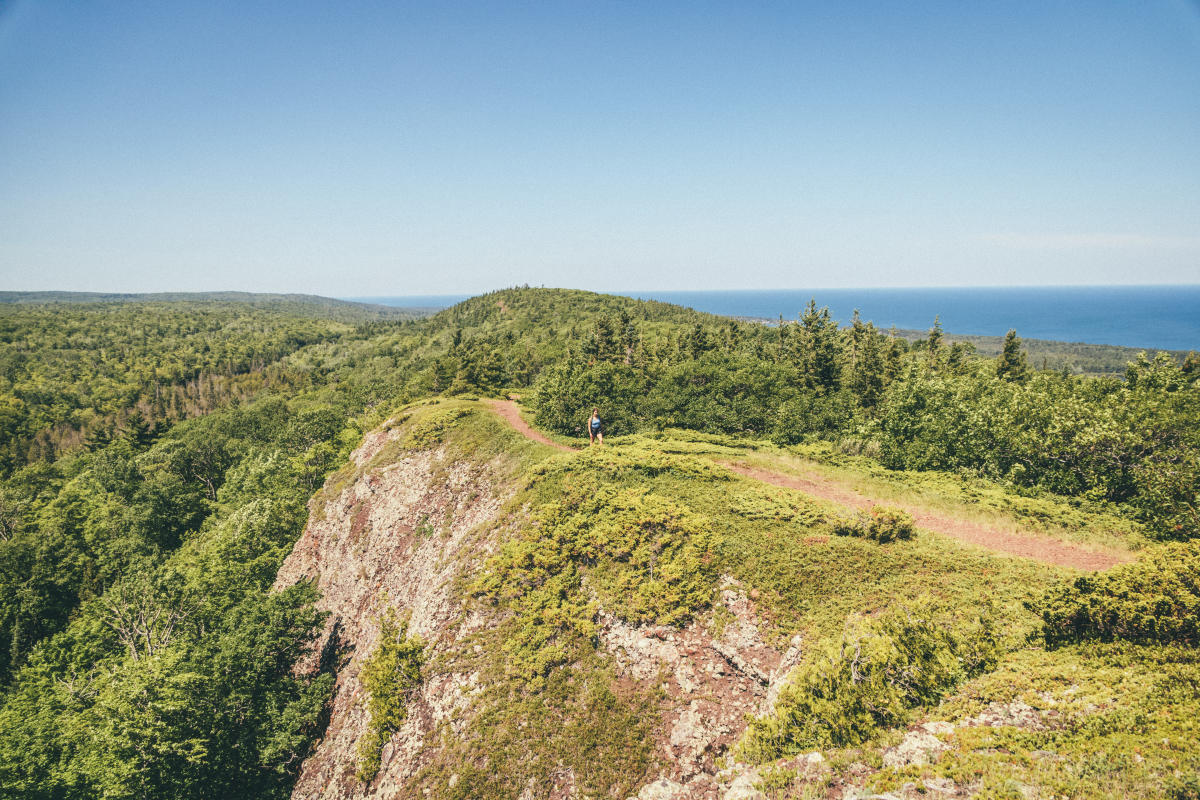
564, 396
845, 696
636, 458
811, 415
1183, 787
882, 524
390, 676
888, 524
429, 429
761, 504
1168, 498
855, 525
652, 558
720, 393
646, 560
1153, 600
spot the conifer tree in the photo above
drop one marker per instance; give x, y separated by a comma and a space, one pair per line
817, 349
855, 336
893, 358
957, 356
934, 345
628, 336
1012, 364
698, 342
1191, 365
867, 378
606, 340
139, 430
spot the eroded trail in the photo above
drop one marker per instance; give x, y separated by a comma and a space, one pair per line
1033, 546
512, 415
1036, 547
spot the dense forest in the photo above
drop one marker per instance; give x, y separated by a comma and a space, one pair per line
157, 456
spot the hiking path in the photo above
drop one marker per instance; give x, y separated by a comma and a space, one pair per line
1034, 546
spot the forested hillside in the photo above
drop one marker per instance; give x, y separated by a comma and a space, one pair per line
160, 457
297, 305
1077, 357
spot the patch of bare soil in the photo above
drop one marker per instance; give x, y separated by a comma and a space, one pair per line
1025, 545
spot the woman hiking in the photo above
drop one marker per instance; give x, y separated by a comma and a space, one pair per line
595, 428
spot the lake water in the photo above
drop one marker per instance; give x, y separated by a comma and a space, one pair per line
1166, 317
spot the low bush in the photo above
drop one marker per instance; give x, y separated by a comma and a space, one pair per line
1153, 600
813, 415
390, 676
645, 559
429, 429
844, 696
882, 524
720, 394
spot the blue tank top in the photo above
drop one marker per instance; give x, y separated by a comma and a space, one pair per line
596, 424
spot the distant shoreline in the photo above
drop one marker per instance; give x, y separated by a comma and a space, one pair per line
1156, 318
1164, 314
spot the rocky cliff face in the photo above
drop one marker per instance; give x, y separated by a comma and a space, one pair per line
394, 537
713, 682
396, 532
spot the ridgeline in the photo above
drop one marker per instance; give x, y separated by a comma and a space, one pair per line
273, 547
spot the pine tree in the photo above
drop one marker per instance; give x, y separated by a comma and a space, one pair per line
867, 377
733, 334
138, 430
893, 357
934, 345
590, 350
1191, 364
1012, 364
628, 335
957, 356
817, 349
855, 336
698, 342
98, 438
606, 339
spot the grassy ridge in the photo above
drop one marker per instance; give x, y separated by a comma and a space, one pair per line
577, 541
826, 588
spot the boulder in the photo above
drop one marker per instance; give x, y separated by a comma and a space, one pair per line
918, 747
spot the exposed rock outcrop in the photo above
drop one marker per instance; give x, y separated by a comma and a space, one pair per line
1016, 713
713, 682
395, 535
917, 747
395, 530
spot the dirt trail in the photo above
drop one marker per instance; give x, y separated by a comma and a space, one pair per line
1038, 548
512, 415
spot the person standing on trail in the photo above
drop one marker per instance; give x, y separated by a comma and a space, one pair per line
595, 428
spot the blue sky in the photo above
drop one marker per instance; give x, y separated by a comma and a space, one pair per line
402, 148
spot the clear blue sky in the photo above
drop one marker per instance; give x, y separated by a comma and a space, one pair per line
402, 148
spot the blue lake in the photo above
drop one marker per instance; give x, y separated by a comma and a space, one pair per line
1166, 317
